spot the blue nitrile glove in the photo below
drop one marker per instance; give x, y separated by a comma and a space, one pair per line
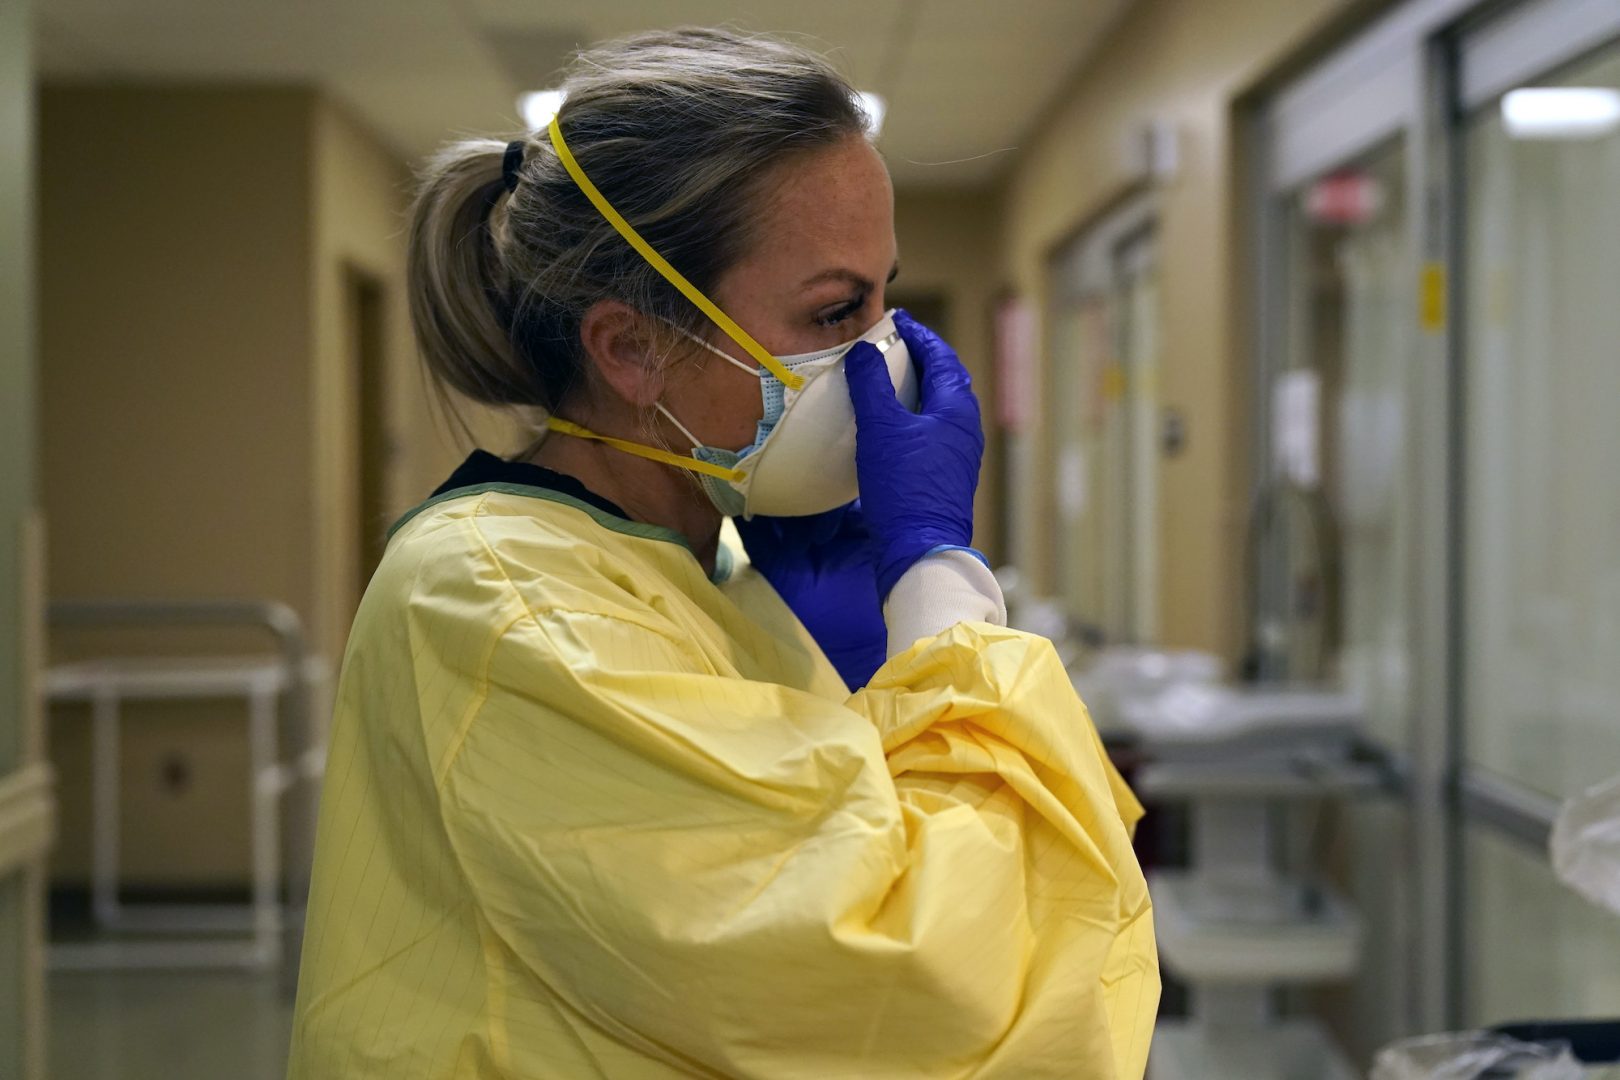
822, 567
917, 471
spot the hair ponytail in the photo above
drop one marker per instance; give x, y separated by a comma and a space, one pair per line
458, 284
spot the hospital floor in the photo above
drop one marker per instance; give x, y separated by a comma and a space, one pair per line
168, 1026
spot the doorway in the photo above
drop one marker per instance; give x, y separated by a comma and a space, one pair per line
1104, 421
365, 300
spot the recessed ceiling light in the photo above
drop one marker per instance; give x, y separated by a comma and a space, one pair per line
537, 107
1561, 112
875, 107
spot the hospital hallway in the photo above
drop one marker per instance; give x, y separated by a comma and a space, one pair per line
1294, 327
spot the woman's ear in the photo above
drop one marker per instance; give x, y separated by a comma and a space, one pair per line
619, 342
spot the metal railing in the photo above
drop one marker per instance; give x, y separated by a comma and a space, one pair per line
300, 738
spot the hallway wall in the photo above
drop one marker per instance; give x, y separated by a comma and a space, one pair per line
1183, 63
175, 331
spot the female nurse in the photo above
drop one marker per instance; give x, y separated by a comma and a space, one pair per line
602, 799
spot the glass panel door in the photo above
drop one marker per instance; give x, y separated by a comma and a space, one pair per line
1105, 338
1338, 501
1081, 350
1542, 536
1137, 342
1540, 541
1334, 529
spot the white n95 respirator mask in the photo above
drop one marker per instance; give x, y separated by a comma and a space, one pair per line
802, 459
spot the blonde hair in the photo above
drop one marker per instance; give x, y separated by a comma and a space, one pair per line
678, 129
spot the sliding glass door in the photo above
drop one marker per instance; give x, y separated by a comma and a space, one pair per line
1105, 335
1540, 535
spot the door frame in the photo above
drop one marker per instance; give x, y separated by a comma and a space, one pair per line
1087, 268
27, 804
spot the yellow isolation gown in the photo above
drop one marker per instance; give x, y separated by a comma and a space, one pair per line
589, 813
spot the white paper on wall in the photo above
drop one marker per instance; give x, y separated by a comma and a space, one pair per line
1071, 488
1297, 431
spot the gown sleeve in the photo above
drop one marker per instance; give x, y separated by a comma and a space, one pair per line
933, 878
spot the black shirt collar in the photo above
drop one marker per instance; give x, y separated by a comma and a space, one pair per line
482, 467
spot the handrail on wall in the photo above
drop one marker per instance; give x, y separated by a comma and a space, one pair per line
272, 615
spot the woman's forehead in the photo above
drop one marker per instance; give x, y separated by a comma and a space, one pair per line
833, 204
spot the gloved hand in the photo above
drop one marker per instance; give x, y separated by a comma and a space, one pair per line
822, 567
917, 471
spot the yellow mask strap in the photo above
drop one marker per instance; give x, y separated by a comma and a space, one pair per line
672, 275
651, 453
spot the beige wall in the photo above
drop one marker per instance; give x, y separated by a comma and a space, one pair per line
947, 249
1183, 63
175, 327
360, 194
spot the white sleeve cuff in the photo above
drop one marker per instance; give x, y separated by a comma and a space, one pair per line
939, 591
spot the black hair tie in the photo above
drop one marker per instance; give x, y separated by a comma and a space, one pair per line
511, 164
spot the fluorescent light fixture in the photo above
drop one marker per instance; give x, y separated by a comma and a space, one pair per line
537, 107
1561, 112
875, 108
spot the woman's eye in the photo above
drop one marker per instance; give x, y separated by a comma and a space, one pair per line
841, 314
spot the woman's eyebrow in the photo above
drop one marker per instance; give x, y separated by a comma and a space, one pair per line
841, 274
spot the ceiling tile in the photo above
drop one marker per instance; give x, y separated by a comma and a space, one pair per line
965, 78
